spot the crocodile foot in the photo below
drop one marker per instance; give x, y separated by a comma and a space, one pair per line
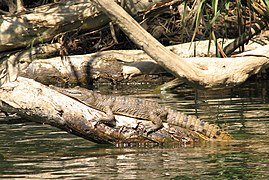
145, 131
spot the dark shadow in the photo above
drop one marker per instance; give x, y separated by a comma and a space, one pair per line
89, 80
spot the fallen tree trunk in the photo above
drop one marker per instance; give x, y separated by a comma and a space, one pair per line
120, 66
14, 65
38, 103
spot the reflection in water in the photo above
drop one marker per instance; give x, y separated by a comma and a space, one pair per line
40, 151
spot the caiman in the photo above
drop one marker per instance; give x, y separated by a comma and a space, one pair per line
143, 109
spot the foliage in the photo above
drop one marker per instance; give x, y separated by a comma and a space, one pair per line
217, 18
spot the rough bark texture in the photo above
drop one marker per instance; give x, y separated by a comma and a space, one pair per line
43, 24
38, 103
14, 63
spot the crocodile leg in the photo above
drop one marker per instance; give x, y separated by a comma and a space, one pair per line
157, 121
109, 119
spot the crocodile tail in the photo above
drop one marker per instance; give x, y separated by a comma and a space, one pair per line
212, 131
204, 129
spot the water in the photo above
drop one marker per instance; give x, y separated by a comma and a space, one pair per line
31, 151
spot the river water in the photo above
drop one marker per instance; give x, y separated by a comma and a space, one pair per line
32, 151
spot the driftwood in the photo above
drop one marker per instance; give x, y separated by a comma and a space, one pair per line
115, 65
32, 101
174, 64
42, 24
123, 66
38, 103
198, 71
179, 67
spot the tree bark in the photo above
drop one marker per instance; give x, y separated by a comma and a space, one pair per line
44, 23
123, 66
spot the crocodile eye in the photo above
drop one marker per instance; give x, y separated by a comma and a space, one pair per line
218, 133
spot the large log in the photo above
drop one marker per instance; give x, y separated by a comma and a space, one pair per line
12, 67
125, 66
120, 66
38, 103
